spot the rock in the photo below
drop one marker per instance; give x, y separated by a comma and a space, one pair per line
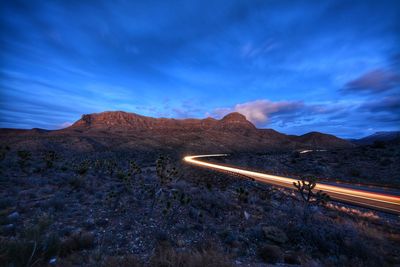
53, 261
274, 234
271, 253
246, 215
13, 216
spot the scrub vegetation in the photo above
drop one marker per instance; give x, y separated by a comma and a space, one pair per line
116, 208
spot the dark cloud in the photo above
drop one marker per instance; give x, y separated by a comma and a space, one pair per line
375, 81
390, 104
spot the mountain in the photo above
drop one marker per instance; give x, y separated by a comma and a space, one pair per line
321, 140
378, 136
123, 131
124, 121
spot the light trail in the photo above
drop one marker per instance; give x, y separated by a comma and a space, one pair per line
359, 197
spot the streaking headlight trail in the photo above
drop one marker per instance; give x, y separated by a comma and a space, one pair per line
355, 196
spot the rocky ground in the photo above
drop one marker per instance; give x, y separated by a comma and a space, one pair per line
119, 209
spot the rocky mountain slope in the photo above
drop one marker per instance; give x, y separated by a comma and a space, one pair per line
128, 131
378, 136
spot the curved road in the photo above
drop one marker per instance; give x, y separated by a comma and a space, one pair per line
348, 194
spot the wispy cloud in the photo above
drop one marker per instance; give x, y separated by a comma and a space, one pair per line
375, 81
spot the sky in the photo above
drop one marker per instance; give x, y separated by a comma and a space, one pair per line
294, 66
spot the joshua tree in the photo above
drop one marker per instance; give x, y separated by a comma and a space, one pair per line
165, 171
134, 169
243, 195
111, 164
3, 152
305, 187
128, 177
24, 157
173, 200
49, 157
83, 167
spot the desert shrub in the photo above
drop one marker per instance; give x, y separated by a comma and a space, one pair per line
168, 257
134, 169
23, 158
379, 144
173, 199
208, 186
49, 157
111, 198
3, 152
82, 168
110, 166
214, 204
121, 261
33, 247
76, 182
76, 242
386, 162
57, 202
125, 178
354, 172
329, 237
64, 168
270, 253
242, 195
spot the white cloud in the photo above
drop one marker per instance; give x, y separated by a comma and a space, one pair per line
259, 111
65, 124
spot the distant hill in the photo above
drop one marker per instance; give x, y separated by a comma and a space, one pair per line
119, 130
378, 136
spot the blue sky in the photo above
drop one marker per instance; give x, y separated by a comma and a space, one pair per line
294, 66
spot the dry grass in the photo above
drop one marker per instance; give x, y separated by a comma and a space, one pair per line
168, 257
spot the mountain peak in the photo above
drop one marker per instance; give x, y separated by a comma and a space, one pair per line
234, 117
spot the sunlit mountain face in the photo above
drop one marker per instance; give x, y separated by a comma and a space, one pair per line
294, 66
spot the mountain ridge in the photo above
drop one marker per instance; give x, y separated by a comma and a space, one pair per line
383, 136
118, 130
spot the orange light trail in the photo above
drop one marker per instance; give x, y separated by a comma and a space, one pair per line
359, 197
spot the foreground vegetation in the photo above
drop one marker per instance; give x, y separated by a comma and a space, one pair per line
126, 209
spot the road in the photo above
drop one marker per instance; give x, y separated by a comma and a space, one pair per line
354, 195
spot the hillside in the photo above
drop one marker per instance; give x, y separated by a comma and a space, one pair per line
378, 136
